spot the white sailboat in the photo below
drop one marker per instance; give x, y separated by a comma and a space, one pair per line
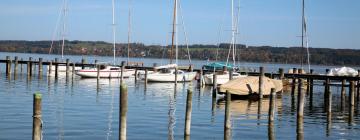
107, 71
167, 73
224, 77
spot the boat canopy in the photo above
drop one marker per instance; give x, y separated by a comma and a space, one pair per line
217, 66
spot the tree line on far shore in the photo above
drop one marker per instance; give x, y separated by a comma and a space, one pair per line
264, 54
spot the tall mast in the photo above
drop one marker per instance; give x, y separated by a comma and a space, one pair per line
63, 29
129, 32
176, 33
302, 32
173, 34
113, 28
233, 31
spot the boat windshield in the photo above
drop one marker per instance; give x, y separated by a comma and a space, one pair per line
164, 71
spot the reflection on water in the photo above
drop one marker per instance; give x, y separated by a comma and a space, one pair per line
75, 108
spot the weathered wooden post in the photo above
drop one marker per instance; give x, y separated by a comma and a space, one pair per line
67, 67
37, 122
56, 67
16, 65
136, 75
281, 73
146, 77
50, 68
40, 66
328, 112
343, 93
214, 85
122, 71
83, 62
311, 90
301, 101
327, 88
29, 67
73, 70
351, 102
21, 65
176, 75
227, 122
230, 74
293, 85
272, 105
123, 111
8, 66
98, 72
261, 82
188, 112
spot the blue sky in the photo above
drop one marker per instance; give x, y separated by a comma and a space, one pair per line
331, 23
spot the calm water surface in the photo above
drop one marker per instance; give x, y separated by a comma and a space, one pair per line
75, 108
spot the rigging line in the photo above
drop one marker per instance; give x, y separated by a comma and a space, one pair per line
56, 29
185, 34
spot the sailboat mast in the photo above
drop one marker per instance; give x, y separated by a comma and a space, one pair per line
176, 33
114, 29
232, 46
129, 32
63, 29
302, 32
173, 34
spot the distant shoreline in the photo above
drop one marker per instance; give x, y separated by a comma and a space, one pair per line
256, 54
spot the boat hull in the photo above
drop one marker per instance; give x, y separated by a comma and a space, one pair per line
170, 77
92, 73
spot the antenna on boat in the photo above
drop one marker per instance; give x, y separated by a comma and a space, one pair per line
114, 29
64, 28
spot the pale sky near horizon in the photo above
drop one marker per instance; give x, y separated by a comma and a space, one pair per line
331, 23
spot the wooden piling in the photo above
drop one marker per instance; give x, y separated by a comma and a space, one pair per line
301, 101
56, 68
272, 105
214, 85
21, 66
37, 122
176, 75
146, 78
188, 113
67, 67
123, 111
281, 73
328, 108
261, 82
293, 85
73, 70
122, 71
230, 74
136, 74
343, 92
351, 94
98, 72
50, 69
8, 65
83, 61
311, 90
16, 65
227, 122
29, 67
40, 66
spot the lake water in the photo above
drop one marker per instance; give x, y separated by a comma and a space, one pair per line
75, 108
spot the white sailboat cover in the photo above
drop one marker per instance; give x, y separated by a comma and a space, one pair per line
343, 71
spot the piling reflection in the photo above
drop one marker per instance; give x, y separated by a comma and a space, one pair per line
171, 114
300, 128
271, 132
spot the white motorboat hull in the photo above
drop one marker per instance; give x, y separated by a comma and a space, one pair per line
170, 77
92, 73
220, 78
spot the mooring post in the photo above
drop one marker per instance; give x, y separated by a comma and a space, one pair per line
40, 66
272, 105
281, 73
176, 75
122, 71
188, 112
261, 82
29, 67
67, 67
73, 70
83, 62
136, 74
230, 74
293, 85
311, 90
16, 65
328, 108
301, 100
343, 94
50, 68
123, 110
8, 65
227, 123
327, 87
351, 102
56, 68
21, 65
37, 122
146, 77
214, 85
98, 72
